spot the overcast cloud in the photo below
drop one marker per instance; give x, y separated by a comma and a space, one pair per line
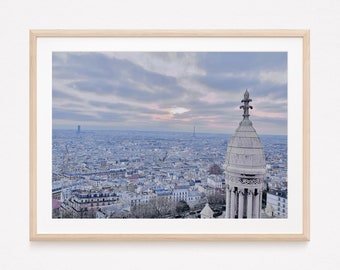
169, 91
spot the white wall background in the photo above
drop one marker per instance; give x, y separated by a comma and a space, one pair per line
17, 17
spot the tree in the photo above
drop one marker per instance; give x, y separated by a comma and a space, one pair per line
215, 169
163, 206
91, 213
217, 200
182, 207
68, 213
159, 207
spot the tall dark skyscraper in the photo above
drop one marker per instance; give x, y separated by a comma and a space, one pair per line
78, 130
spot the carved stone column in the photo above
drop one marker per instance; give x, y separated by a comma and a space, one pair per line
250, 204
256, 204
240, 203
232, 203
260, 205
227, 209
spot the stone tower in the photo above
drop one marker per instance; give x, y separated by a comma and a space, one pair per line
245, 169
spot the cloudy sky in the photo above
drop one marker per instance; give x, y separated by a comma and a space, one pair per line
172, 91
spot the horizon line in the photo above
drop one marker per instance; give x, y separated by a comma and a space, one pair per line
164, 131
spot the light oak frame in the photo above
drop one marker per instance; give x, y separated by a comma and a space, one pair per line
303, 34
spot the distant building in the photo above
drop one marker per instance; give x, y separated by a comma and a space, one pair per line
56, 208
85, 200
205, 189
78, 129
193, 198
277, 203
139, 199
180, 193
245, 168
164, 195
214, 182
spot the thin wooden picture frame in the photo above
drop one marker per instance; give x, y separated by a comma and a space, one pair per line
35, 219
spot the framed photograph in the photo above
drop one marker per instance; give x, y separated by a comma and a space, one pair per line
199, 135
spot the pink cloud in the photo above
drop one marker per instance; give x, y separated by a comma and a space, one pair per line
269, 114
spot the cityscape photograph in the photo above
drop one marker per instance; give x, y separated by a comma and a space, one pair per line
176, 135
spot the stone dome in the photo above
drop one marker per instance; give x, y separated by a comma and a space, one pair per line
245, 151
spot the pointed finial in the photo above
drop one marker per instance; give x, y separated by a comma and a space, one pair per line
246, 105
246, 94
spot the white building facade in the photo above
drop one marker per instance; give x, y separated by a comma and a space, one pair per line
278, 203
214, 182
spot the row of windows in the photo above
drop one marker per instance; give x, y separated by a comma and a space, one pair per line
95, 204
181, 193
94, 200
94, 195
